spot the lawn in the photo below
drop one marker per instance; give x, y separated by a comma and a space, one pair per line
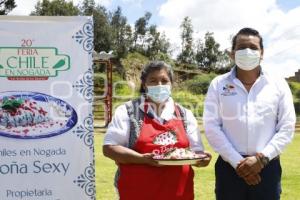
204, 177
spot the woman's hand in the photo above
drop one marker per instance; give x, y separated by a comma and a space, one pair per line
203, 162
148, 158
124, 155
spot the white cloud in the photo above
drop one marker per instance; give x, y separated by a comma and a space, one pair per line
281, 31
105, 3
23, 7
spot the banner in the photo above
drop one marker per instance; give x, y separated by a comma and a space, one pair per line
46, 121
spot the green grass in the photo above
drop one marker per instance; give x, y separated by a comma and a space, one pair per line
204, 177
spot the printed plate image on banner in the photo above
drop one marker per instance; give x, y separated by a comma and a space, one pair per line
33, 115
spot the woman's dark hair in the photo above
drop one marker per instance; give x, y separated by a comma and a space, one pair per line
247, 31
153, 66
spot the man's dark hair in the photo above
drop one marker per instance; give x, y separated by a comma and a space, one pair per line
247, 31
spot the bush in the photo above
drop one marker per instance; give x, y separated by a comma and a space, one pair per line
189, 100
295, 88
134, 62
186, 66
297, 108
200, 83
123, 90
164, 57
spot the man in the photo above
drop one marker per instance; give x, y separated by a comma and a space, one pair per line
249, 118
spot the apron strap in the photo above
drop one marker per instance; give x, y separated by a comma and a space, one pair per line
177, 113
135, 116
182, 113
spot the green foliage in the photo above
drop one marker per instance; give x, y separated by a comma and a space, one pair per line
297, 94
147, 40
122, 90
55, 8
187, 52
100, 79
87, 7
99, 84
112, 32
121, 33
199, 84
6, 6
295, 88
208, 53
189, 100
11, 104
164, 57
185, 66
140, 30
209, 57
102, 30
134, 62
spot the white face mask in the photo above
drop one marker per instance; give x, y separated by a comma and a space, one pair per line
247, 59
159, 93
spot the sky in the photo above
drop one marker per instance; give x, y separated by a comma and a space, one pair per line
276, 20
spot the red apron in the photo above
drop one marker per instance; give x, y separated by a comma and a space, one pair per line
144, 182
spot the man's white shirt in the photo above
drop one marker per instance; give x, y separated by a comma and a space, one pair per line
238, 122
119, 128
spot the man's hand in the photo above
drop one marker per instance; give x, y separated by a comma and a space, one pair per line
203, 162
253, 179
249, 166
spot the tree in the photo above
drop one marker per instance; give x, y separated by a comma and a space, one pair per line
6, 6
208, 55
102, 30
121, 33
187, 52
140, 30
148, 41
55, 8
111, 31
224, 63
157, 45
152, 40
298, 94
88, 7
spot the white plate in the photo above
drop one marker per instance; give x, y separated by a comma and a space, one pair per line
178, 162
44, 131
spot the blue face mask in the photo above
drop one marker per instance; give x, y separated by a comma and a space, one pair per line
159, 93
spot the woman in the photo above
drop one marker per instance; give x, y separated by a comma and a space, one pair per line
150, 125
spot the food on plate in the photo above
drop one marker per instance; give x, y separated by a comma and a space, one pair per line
19, 112
25, 116
178, 154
